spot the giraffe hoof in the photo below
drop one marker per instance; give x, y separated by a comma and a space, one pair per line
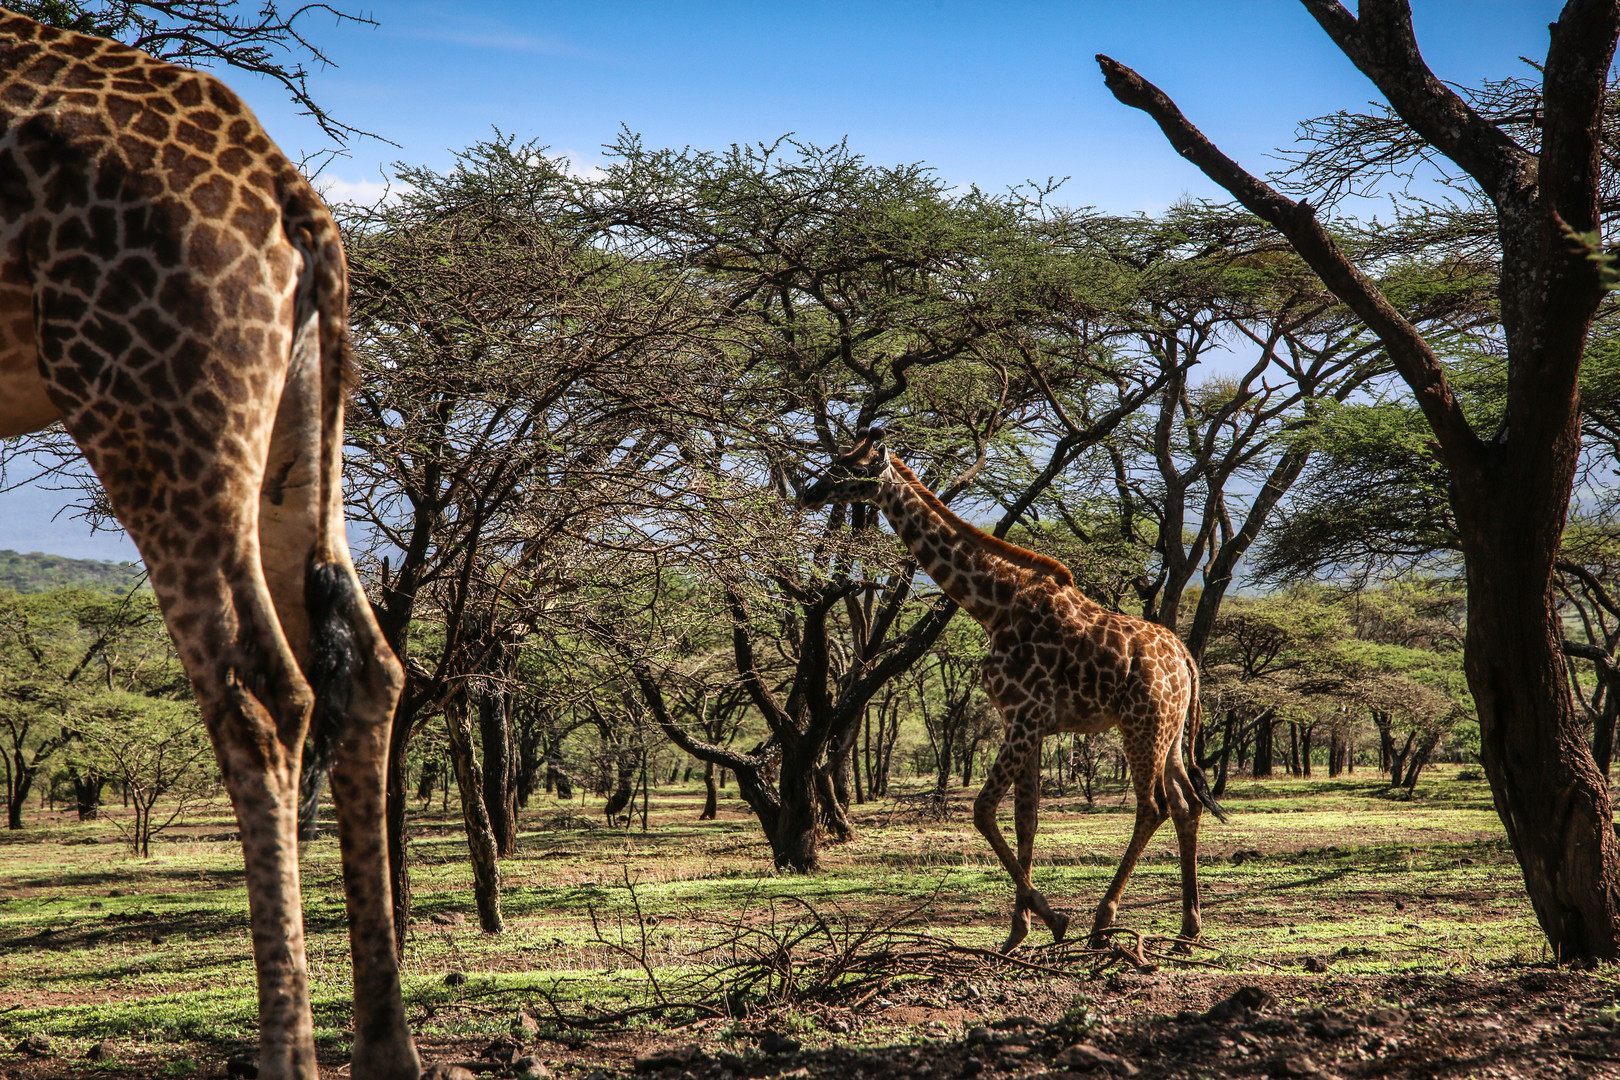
1019, 931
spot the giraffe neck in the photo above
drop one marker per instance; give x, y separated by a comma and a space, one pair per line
980, 572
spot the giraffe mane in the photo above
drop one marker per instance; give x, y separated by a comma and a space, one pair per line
1018, 556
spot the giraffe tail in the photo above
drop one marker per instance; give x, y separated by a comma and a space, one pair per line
1195, 772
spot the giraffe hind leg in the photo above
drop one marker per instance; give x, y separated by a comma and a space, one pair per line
355, 680
1186, 808
1151, 810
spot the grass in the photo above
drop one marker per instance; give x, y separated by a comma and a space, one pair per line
153, 953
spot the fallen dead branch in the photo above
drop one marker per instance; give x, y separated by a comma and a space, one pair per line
785, 951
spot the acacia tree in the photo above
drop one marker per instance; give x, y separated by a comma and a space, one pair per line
268, 42
516, 380
846, 293
1540, 183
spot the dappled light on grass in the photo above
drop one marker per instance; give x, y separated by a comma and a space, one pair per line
96, 944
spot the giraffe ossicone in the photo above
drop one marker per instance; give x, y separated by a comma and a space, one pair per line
172, 290
1056, 661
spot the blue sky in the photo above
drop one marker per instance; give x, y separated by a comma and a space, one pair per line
987, 93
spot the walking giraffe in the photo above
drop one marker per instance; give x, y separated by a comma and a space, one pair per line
1056, 661
173, 291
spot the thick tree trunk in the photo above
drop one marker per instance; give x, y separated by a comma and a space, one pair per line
796, 840
711, 794
1262, 746
1548, 790
500, 791
481, 845
87, 788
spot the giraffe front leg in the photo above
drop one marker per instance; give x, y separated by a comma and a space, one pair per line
1026, 820
1009, 765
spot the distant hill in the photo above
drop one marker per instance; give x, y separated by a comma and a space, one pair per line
37, 572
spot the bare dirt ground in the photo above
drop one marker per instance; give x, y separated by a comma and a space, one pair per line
1531, 1023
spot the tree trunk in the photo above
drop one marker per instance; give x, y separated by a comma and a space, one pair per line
480, 837
500, 791
87, 788
22, 782
711, 794
1548, 790
796, 840
1262, 745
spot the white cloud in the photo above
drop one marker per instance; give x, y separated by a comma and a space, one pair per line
364, 192
584, 166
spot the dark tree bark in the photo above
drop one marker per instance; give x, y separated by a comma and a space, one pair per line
1263, 729
481, 846
88, 785
711, 794
500, 767
1547, 789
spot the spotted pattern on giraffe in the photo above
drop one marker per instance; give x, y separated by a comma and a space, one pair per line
1056, 661
173, 291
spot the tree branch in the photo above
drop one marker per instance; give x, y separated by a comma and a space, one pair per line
1410, 353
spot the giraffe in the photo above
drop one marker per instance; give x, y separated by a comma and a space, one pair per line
173, 292
1057, 661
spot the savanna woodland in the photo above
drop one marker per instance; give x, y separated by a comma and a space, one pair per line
683, 778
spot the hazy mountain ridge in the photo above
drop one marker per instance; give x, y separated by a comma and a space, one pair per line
38, 572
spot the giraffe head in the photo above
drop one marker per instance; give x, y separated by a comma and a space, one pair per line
854, 476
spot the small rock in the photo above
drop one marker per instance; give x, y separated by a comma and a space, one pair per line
1387, 1017
1085, 1057
99, 1052
1400, 905
525, 1026
456, 978
1015, 1050
1013, 1022
448, 918
245, 1065
1296, 1065
1331, 1028
37, 1044
158, 939
1315, 964
972, 1066
503, 1049
838, 1026
1247, 1000
529, 1068
680, 1057
978, 1035
447, 1070
773, 1042
115, 892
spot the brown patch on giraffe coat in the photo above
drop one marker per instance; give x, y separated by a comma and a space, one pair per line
162, 338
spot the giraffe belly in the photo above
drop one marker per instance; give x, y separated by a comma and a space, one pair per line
24, 405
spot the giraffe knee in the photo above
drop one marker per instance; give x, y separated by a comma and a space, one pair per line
984, 811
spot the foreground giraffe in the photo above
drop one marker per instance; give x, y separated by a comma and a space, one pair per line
173, 291
1056, 661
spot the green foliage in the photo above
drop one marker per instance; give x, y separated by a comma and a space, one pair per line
37, 572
